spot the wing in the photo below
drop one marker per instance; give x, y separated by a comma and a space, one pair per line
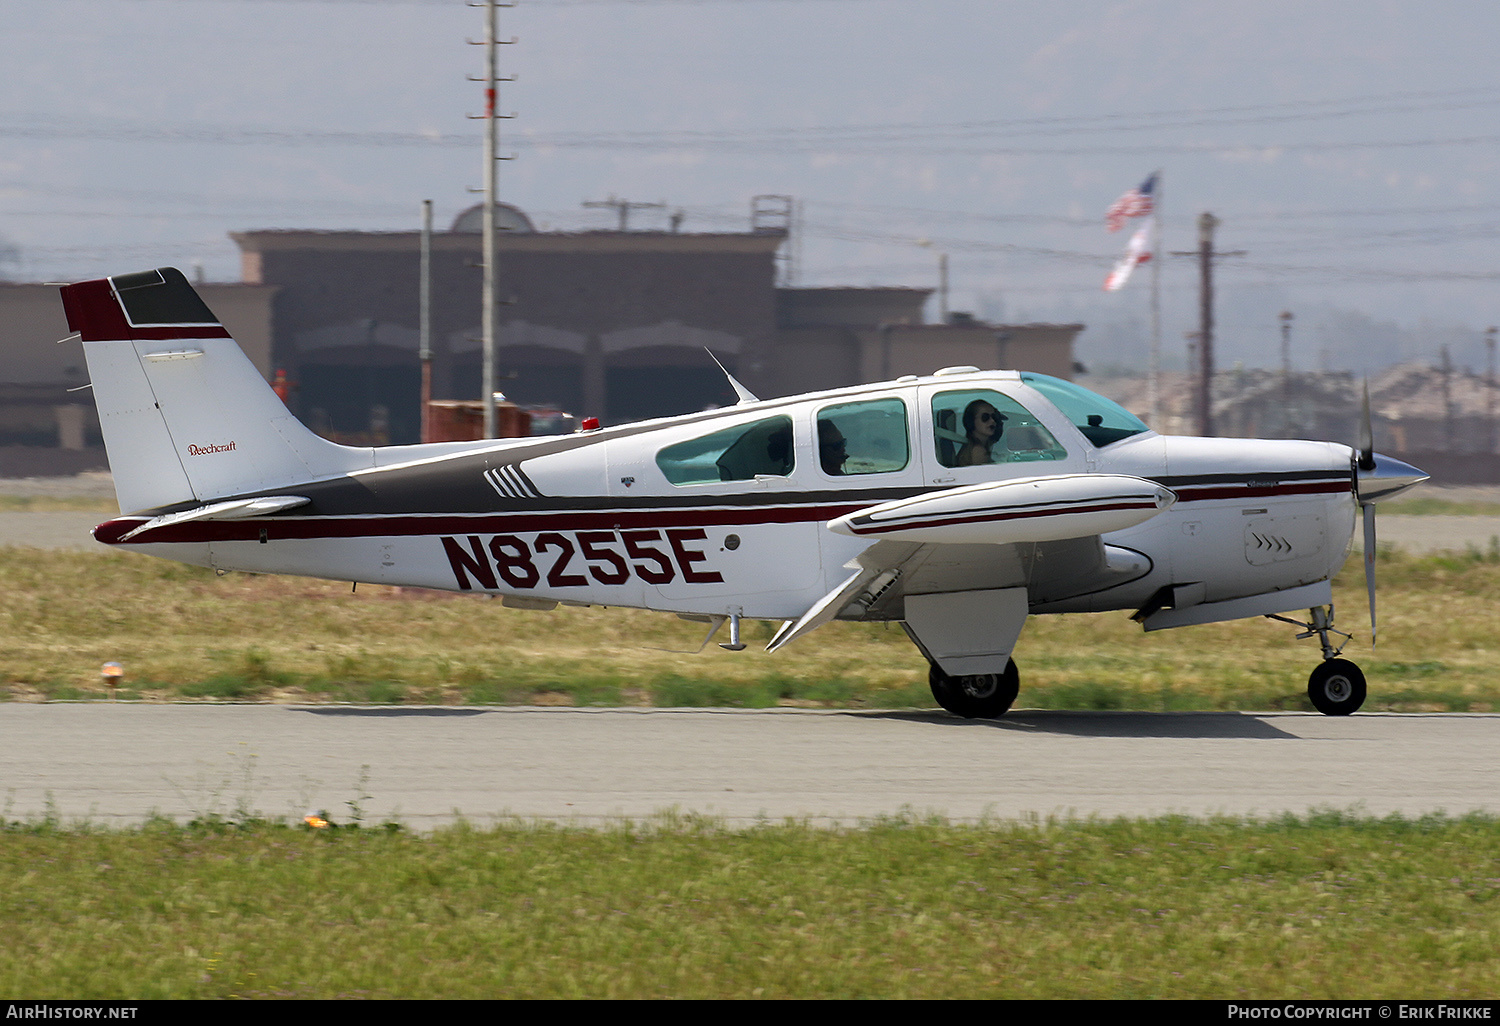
1029, 509
961, 567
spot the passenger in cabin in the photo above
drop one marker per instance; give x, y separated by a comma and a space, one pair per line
983, 425
779, 451
832, 448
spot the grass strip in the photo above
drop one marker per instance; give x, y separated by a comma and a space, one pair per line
182, 633
1331, 905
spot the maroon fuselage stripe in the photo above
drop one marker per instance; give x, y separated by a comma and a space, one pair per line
284, 528
1189, 493
409, 525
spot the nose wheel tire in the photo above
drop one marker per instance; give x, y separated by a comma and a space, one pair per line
1336, 687
978, 696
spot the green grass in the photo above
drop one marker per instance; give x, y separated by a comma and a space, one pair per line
1325, 906
182, 633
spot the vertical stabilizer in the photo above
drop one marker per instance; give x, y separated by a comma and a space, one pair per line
185, 415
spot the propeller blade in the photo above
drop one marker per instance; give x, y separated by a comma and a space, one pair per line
1366, 433
1369, 512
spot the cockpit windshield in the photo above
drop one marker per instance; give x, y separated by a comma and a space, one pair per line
1102, 422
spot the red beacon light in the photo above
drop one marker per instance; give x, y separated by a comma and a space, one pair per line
589, 424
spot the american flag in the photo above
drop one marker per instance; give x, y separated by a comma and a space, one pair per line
1135, 203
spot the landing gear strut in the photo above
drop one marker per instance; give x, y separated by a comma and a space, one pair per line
978, 696
1336, 686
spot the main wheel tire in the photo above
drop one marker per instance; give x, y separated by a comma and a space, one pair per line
979, 696
1336, 687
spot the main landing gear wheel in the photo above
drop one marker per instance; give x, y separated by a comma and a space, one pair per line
1336, 687
978, 696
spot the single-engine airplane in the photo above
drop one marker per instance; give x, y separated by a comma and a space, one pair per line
957, 504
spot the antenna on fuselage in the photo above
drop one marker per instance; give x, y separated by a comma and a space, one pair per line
746, 396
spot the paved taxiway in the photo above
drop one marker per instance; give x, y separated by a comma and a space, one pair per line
116, 764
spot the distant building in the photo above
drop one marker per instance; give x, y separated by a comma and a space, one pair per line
611, 324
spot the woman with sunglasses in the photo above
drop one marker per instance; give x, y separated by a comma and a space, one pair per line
982, 427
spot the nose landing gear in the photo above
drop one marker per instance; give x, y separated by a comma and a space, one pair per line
1336, 687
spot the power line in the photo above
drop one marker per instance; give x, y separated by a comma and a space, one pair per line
853, 138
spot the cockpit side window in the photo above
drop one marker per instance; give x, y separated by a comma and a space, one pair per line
740, 453
1102, 422
979, 427
863, 438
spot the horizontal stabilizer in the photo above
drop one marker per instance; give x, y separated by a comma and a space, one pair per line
239, 509
1033, 509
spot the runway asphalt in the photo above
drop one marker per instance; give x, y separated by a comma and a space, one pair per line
118, 764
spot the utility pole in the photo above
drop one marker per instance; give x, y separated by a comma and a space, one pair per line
424, 319
492, 158
1205, 253
942, 288
1153, 378
1206, 224
1286, 345
1447, 369
1489, 391
1192, 370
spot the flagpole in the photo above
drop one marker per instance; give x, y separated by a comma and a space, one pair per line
1154, 387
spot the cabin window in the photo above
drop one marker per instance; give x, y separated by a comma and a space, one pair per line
1101, 421
980, 427
863, 438
741, 453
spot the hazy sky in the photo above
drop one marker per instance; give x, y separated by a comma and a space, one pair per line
1352, 148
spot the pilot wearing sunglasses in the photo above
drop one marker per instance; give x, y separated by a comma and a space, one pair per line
982, 427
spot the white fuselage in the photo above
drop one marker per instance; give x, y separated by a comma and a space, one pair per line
596, 519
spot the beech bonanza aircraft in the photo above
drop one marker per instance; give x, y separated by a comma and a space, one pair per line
958, 504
